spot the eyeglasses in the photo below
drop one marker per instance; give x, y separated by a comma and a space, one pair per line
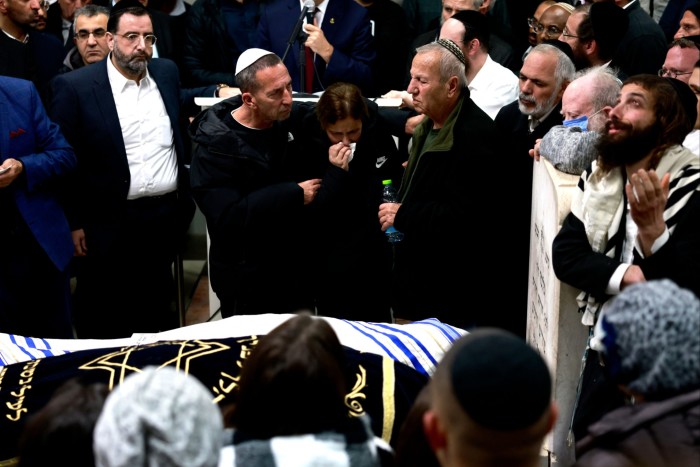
566, 33
45, 5
133, 38
549, 31
534, 24
84, 35
672, 73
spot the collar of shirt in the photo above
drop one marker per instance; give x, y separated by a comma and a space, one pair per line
118, 81
23, 41
630, 3
533, 122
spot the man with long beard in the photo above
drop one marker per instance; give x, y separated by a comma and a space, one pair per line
129, 206
635, 218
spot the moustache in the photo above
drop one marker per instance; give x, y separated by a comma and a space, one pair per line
619, 124
530, 99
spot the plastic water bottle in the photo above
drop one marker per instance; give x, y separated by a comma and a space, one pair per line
389, 195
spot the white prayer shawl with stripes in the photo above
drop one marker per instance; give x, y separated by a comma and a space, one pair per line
599, 204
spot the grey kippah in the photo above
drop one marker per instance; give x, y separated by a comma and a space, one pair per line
162, 417
500, 381
653, 338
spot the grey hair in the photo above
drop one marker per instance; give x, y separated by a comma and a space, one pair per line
89, 11
449, 63
604, 84
246, 78
565, 70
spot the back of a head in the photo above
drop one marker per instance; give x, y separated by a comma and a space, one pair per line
609, 23
649, 339
492, 392
476, 26
159, 416
293, 382
62, 431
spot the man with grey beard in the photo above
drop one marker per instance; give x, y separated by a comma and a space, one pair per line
129, 206
545, 73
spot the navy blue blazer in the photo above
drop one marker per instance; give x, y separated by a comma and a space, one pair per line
28, 135
81, 102
346, 26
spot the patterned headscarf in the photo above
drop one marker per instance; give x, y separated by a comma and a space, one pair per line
159, 416
650, 339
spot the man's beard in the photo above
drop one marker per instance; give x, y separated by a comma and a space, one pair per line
540, 108
135, 63
618, 151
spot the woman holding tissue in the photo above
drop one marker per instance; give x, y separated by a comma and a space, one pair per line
352, 152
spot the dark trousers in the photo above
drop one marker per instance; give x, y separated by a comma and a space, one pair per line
125, 283
34, 294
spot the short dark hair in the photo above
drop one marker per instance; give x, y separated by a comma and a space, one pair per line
116, 13
90, 11
476, 26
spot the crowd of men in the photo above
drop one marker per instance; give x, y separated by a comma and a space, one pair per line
104, 160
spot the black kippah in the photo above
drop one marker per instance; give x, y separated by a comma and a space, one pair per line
500, 381
687, 98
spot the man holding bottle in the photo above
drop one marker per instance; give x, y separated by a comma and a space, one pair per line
435, 199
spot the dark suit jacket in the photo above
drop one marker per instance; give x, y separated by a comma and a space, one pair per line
643, 49
515, 140
39, 60
82, 104
29, 136
346, 26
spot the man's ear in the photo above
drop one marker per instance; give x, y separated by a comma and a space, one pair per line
433, 431
248, 99
590, 48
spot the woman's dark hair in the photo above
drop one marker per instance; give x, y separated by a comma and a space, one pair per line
293, 382
62, 430
339, 101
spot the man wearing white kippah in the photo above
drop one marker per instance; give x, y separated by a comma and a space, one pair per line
241, 176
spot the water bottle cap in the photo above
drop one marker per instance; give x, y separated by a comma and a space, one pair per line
386, 182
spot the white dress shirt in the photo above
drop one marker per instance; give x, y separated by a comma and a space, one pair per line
147, 133
493, 87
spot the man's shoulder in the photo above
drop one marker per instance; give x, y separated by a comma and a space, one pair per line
85, 73
510, 113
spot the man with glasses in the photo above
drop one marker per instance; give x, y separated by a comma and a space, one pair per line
25, 52
90, 38
129, 206
552, 22
681, 56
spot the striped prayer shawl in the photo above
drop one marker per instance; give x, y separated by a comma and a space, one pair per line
600, 205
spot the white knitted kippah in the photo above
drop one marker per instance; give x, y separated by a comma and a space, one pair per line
249, 57
159, 416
